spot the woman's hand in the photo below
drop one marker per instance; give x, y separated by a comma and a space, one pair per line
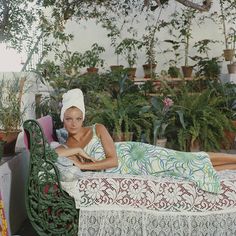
74, 152
76, 161
82, 154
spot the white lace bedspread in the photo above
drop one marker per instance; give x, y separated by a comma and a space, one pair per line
140, 205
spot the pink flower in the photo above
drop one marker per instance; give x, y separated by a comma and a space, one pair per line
168, 102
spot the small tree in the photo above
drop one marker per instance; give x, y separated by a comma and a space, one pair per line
128, 47
181, 24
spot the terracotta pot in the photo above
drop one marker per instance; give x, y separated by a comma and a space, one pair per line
232, 68
131, 72
10, 139
161, 142
187, 71
229, 54
149, 70
115, 68
92, 70
228, 143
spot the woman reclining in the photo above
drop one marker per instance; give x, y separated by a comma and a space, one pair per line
92, 148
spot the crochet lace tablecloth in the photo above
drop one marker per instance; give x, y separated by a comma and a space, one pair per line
140, 205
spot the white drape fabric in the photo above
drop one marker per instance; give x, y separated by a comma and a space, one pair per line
145, 223
112, 204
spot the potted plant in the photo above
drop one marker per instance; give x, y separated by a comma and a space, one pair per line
199, 124
92, 59
117, 106
227, 16
227, 93
182, 24
114, 34
160, 111
129, 47
149, 42
232, 65
174, 70
11, 112
206, 67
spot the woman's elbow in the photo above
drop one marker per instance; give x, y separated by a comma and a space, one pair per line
114, 163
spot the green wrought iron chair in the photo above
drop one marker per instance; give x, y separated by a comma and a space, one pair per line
50, 210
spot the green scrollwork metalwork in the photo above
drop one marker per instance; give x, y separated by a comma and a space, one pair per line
50, 209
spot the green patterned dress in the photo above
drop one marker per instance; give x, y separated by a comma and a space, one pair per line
139, 158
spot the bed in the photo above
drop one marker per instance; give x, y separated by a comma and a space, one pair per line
113, 204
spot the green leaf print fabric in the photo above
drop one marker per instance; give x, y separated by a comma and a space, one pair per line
138, 158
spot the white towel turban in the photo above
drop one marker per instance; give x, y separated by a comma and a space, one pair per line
72, 98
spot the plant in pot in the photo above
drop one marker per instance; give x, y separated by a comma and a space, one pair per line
227, 93
199, 124
72, 63
149, 42
92, 59
227, 17
11, 112
117, 107
182, 30
206, 67
232, 65
160, 111
174, 70
129, 47
114, 34
120, 115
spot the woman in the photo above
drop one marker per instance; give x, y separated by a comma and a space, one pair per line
96, 145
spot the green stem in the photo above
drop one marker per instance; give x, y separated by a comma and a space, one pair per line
223, 23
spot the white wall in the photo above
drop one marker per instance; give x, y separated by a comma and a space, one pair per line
87, 32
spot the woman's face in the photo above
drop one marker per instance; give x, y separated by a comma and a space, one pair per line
73, 120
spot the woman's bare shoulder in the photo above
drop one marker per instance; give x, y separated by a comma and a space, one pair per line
100, 129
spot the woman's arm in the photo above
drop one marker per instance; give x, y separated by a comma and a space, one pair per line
73, 152
110, 159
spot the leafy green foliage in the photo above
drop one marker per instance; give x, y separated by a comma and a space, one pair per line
16, 20
160, 112
198, 118
118, 106
11, 113
91, 58
128, 47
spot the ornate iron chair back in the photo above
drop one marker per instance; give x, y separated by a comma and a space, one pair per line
51, 210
